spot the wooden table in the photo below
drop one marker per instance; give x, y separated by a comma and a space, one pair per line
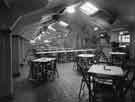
64, 55
64, 51
86, 55
43, 59
117, 53
103, 69
118, 58
84, 59
106, 70
40, 68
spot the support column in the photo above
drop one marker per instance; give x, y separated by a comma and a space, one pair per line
6, 83
15, 55
132, 46
5, 2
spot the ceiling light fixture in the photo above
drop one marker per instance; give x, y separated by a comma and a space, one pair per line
121, 33
63, 23
46, 18
39, 37
43, 32
96, 28
32, 41
51, 28
47, 41
71, 9
88, 8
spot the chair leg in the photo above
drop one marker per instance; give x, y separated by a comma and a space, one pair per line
57, 73
74, 66
81, 88
132, 94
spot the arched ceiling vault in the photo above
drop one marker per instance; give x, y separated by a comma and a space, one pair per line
122, 10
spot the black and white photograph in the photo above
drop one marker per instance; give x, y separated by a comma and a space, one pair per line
67, 50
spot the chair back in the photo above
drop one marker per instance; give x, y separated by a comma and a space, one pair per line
106, 52
103, 79
84, 71
117, 61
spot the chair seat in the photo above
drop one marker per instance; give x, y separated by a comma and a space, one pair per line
104, 81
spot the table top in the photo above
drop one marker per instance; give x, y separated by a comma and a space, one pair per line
44, 59
62, 51
117, 53
106, 70
86, 55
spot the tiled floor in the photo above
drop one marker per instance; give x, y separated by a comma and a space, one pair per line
63, 89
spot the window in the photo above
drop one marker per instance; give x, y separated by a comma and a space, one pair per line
124, 37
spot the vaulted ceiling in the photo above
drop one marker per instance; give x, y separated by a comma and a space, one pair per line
123, 10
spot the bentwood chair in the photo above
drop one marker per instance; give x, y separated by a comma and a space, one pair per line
120, 87
129, 80
84, 81
51, 70
104, 88
102, 59
83, 67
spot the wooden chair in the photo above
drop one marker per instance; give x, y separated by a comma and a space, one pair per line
84, 81
105, 88
75, 63
129, 80
51, 70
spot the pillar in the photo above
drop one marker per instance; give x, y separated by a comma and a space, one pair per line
6, 83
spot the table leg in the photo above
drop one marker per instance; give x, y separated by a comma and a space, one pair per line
130, 84
89, 89
91, 93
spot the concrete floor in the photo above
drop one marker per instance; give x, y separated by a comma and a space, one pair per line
63, 89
